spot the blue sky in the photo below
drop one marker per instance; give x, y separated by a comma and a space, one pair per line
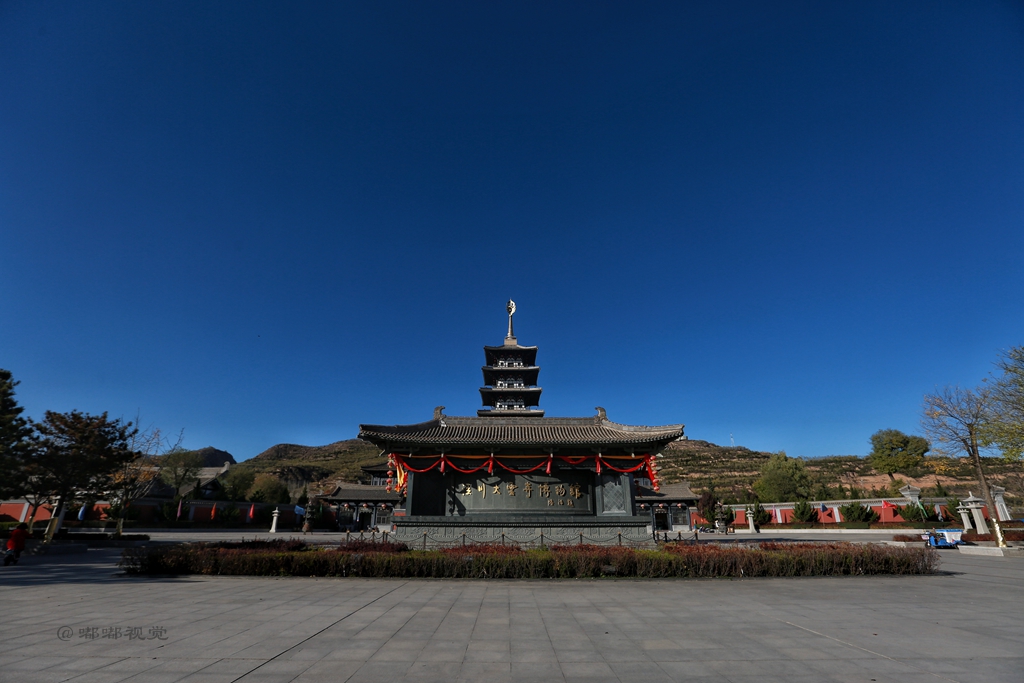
267, 222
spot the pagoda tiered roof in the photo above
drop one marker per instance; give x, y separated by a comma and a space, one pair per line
528, 354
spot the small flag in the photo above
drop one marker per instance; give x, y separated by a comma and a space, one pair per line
179, 511
81, 513
252, 511
213, 512
887, 504
301, 512
823, 508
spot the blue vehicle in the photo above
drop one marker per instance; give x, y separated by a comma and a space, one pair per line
944, 538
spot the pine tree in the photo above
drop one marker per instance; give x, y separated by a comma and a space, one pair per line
15, 432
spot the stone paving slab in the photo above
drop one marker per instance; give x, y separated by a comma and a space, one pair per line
962, 625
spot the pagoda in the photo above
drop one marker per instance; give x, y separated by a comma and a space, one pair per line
510, 377
512, 474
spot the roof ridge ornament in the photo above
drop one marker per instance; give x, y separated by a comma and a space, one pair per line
510, 338
438, 412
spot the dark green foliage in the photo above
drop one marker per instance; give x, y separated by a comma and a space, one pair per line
262, 516
303, 500
805, 513
237, 482
893, 451
760, 515
725, 514
706, 505
912, 513
229, 514
855, 512
782, 479
509, 562
15, 432
78, 453
940, 490
168, 511
267, 488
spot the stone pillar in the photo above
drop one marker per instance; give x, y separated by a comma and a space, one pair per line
1002, 512
963, 516
911, 493
273, 525
750, 519
975, 505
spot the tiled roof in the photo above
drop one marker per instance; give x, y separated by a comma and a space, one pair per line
524, 431
361, 493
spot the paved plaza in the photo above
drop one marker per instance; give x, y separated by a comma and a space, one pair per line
962, 625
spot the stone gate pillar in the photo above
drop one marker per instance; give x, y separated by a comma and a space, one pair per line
975, 504
911, 493
964, 517
1002, 512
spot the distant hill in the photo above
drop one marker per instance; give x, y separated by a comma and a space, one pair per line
212, 457
317, 467
732, 470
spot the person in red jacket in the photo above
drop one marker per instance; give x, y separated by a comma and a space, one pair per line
16, 544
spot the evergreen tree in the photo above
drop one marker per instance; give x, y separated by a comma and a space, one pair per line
804, 512
78, 455
15, 432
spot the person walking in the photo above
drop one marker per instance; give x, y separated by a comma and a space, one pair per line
16, 544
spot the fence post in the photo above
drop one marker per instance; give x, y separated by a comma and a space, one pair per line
463, 539
503, 538
542, 539
348, 535
620, 538
424, 540
581, 538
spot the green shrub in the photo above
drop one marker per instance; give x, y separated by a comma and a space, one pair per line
804, 512
855, 512
911, 513
229, 514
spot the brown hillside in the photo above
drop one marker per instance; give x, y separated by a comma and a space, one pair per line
316, 467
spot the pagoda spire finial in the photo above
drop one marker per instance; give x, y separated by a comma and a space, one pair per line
511, 308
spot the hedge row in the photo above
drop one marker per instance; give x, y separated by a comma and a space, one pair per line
508, 562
